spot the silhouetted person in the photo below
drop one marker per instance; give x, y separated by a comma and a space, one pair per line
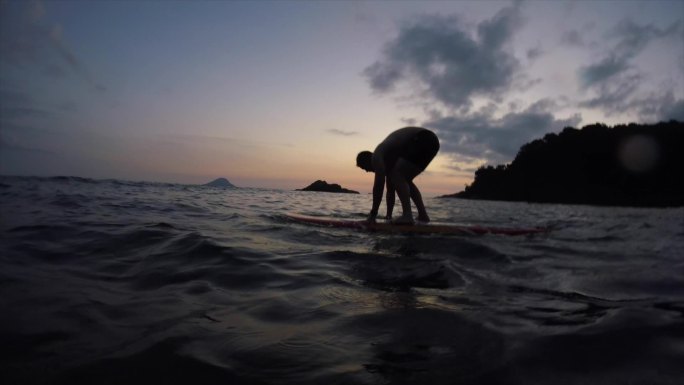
403, 155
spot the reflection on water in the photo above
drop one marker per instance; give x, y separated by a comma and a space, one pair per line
119, 282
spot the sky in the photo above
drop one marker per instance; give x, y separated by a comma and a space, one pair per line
279, 94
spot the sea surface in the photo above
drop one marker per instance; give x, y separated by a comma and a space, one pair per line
115, 282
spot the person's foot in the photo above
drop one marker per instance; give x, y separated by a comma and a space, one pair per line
403, 220
423, 218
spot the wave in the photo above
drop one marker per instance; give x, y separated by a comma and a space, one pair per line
76, 179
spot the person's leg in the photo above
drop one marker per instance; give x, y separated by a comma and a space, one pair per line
418, 200
420, 153
389, 200
402, 176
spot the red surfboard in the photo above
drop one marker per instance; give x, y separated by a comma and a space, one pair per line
418, 228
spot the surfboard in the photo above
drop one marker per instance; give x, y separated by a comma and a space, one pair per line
418, 228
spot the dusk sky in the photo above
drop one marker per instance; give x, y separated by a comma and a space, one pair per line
279, 94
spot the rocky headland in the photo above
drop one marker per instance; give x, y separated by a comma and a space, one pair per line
624, 165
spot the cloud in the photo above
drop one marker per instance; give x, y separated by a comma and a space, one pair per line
23, 112
632, 39
9, 145
613, 97
455, 66
662, 107
335, 131
13, 97
572, 38
467, 78
655, 106
24, 38
596, 74
68, 55
615, 81
28, 41
481, 135
534, 53
673, 111
17, 106
449, 62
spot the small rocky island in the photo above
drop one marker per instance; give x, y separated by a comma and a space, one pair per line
220, 182
321, 185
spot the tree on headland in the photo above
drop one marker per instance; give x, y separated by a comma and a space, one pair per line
630, 165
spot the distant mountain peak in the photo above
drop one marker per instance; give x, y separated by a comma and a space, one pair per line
220, 182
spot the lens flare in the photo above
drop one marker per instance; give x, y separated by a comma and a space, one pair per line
639, 153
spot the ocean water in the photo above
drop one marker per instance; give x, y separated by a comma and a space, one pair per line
113, 282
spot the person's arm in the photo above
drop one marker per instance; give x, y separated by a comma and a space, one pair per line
389, 199
378, 185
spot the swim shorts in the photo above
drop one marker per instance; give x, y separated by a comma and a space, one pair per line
421, 149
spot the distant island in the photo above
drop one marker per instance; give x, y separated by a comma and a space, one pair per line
321, 185
624, 165
220, 182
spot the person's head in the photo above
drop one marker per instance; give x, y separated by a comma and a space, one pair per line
365, 161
